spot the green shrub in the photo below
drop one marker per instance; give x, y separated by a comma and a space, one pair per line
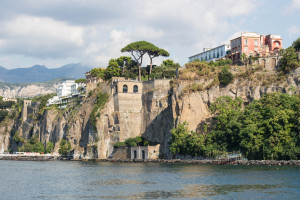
49, 147
289, 60
225, 77
133, 142
18, 138
34, 145
3, 114
81, 80
119, 144
64, 147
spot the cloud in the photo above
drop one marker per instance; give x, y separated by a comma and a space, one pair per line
39, 37
293, 30
95, 31
294, 6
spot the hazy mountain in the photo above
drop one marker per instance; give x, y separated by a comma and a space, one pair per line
40, 73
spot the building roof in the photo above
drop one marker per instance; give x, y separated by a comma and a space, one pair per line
210, 49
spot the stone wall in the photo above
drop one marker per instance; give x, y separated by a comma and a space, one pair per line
269, 62
121, 153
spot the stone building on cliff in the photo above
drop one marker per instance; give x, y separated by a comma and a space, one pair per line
255, 45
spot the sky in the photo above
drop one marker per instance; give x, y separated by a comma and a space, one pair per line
58, 32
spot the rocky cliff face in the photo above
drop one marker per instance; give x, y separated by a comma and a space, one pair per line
194, 106
5, 134
164, 106
26, 90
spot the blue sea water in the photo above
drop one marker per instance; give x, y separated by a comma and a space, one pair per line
100, 180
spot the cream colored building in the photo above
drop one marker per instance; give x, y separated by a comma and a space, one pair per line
145, 152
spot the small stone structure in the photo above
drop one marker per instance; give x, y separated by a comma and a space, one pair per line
268, 62
29, 107
144, 152
127, 95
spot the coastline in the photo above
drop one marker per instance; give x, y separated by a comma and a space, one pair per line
203, 162
170, 161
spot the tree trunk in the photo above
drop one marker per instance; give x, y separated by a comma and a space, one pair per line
140, 72
150, 70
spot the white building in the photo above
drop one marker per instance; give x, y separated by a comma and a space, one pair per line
66, 90
212, 54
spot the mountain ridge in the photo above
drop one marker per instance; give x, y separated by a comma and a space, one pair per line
40, 73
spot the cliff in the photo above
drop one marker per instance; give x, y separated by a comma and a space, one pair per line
151, 111
10, 90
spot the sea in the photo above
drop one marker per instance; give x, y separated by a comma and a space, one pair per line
108, 180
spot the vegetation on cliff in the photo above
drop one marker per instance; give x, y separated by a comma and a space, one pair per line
133, 142
139, 49
101, 99
33, 145
265, 129
296, 44
132, 67
5, 105
289, 60
64, 147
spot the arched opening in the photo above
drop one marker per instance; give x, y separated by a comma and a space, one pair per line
273, 62
276, 44
125, 88
134, 154
143, 155
135, 89
264, 63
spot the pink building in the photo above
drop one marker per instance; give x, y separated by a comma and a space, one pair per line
252, 44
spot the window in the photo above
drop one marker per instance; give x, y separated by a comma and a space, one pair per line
256, 42
125, 88
255, 49
214, 55
221, 53
246, 48
245, 41
277, 44
135, 89
116, 88
218, 55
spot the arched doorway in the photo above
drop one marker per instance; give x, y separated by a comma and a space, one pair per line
143, 155
263, 63
276, 45
135, 89
125, 88
273, 62
134, 154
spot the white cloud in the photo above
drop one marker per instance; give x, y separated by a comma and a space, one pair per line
293, 30
291, 8
95, 31
40, 37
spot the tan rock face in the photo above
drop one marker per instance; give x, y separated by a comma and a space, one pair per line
5, 129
